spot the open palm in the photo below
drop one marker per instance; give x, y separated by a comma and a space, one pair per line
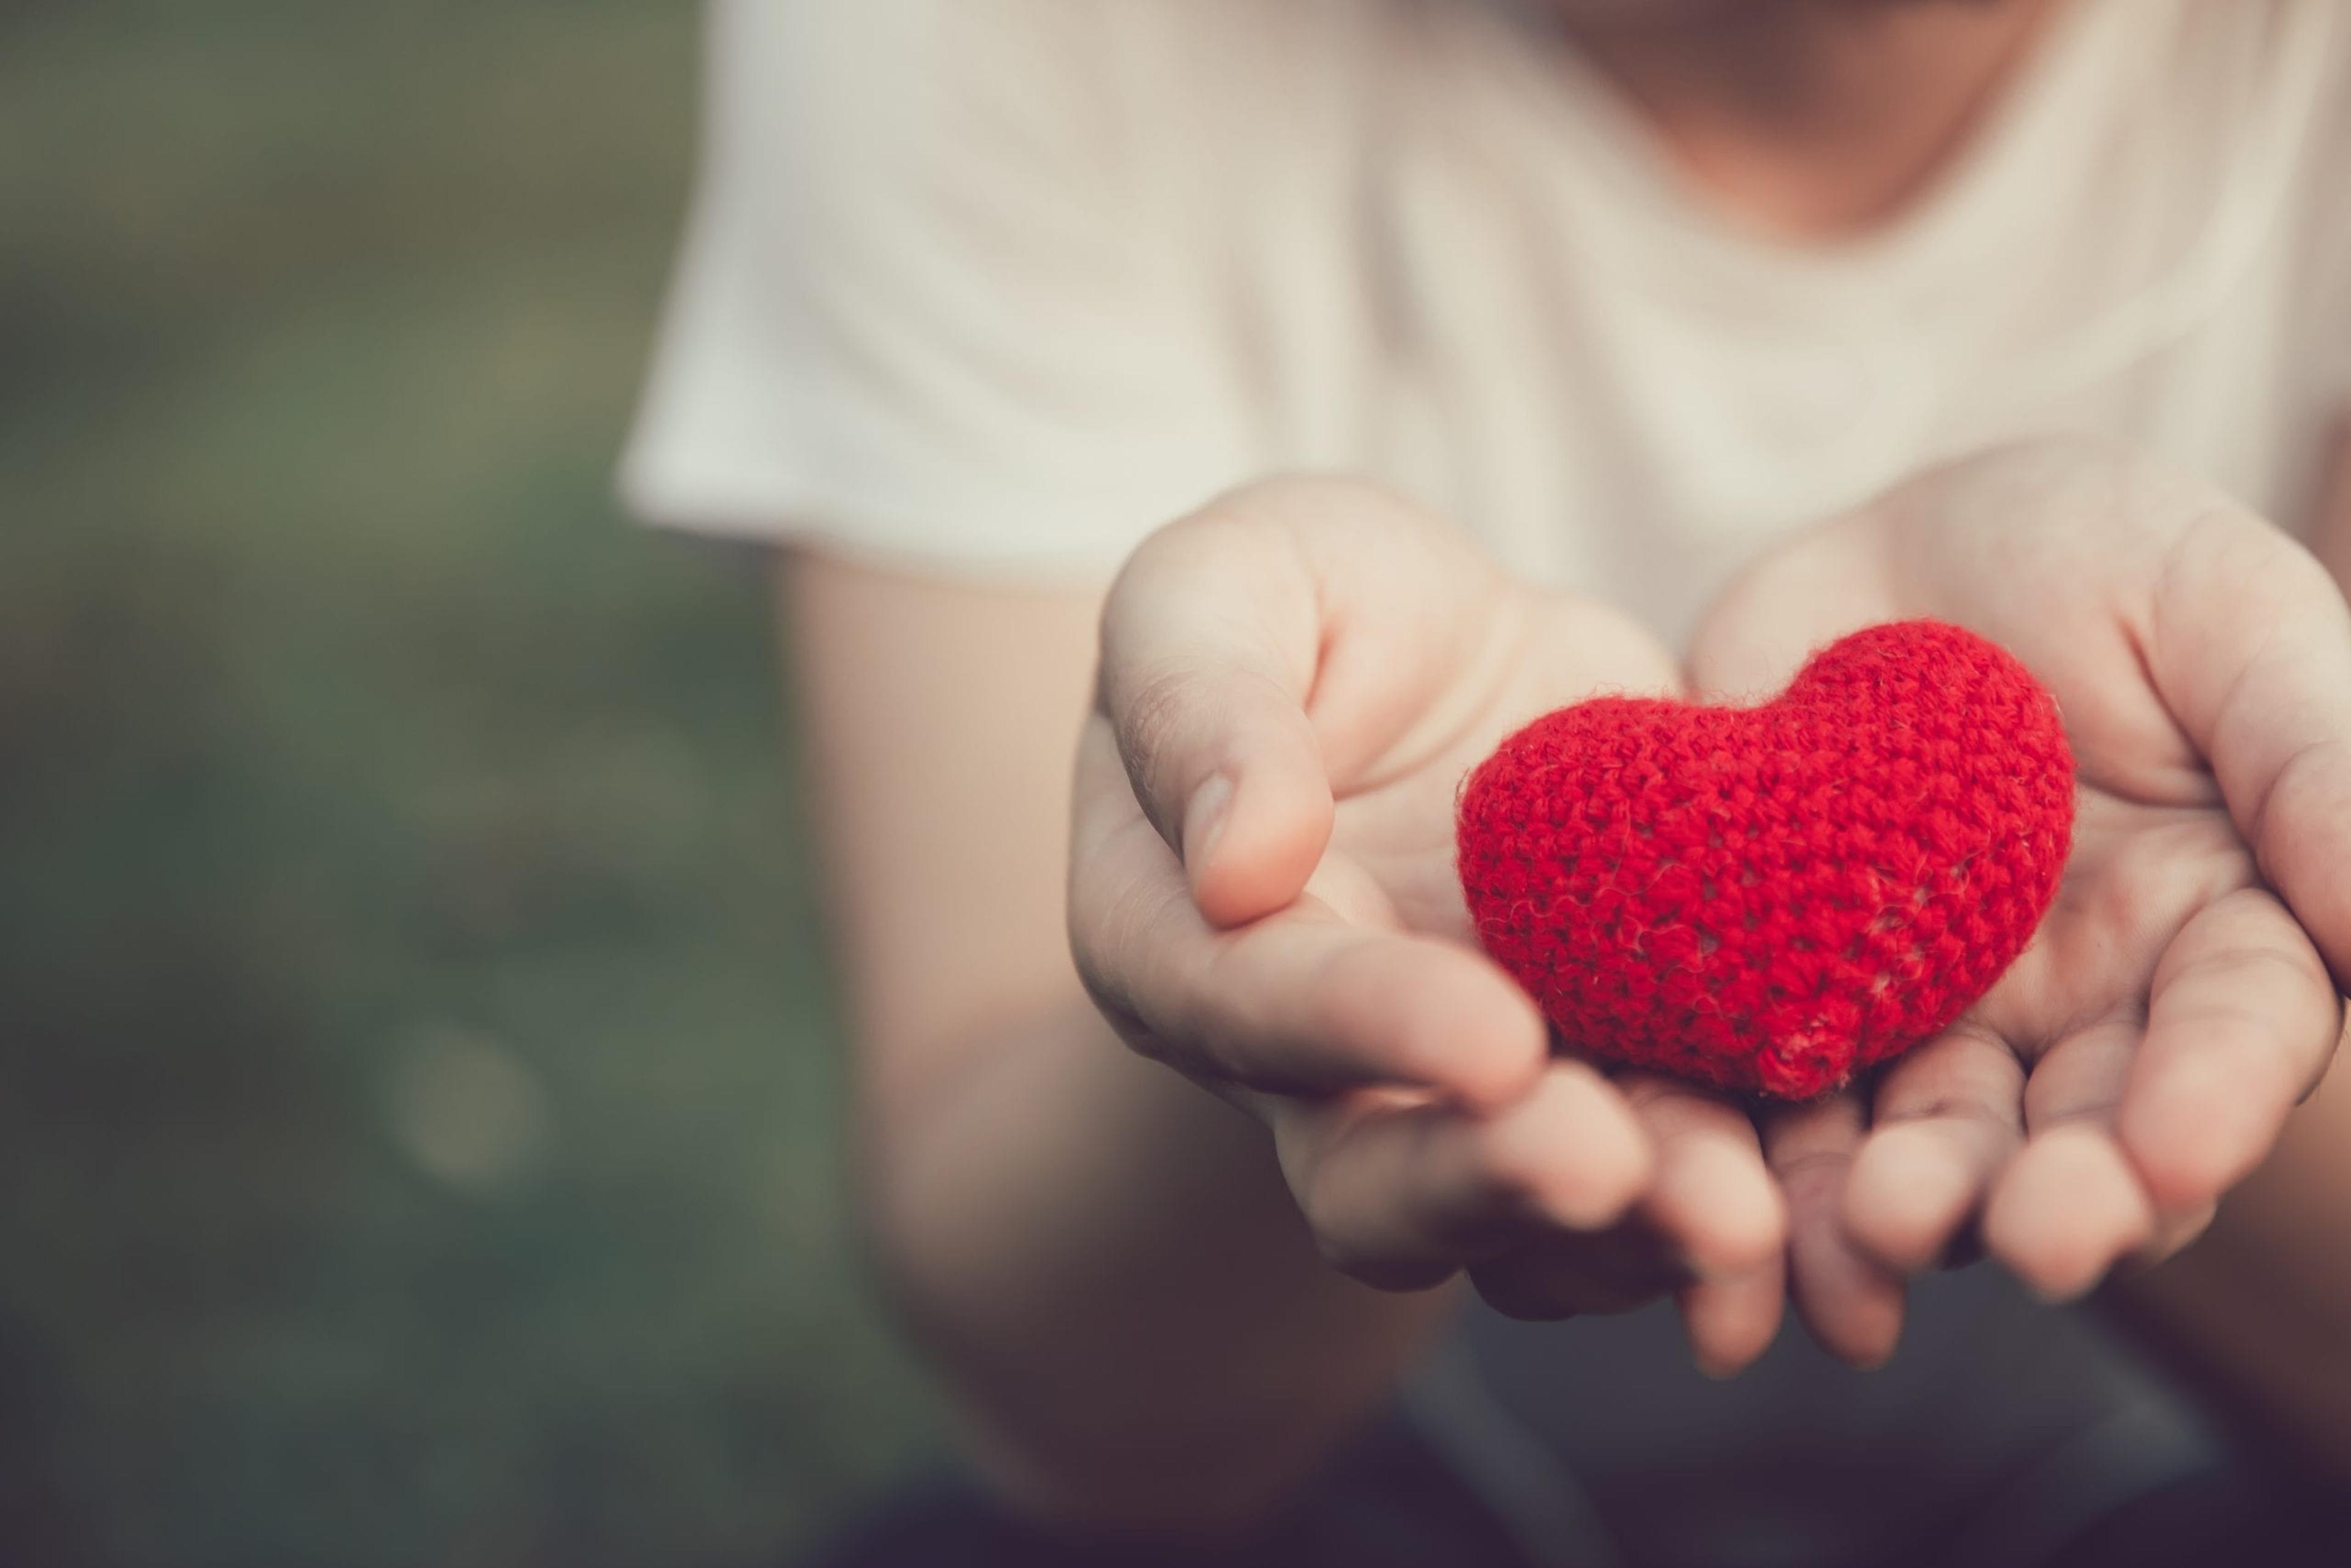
1263, 894
2142, 1055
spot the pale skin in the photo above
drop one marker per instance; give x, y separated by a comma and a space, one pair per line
2145, 1054
1161, 1296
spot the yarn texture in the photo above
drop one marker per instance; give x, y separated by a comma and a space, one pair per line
1768, 898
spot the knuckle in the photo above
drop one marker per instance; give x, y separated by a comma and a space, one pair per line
2308, 786
1814, 1174
1150, 719
1120, 950
1981, 1118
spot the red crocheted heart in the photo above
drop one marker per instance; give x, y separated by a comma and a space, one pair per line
1768, 898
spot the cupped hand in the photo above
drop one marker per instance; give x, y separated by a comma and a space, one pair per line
1263, 895
2182, 995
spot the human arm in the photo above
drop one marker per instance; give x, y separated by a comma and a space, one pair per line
1101, 1259
1126, 1283
935, 309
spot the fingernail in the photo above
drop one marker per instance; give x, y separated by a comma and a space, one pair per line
1204, 818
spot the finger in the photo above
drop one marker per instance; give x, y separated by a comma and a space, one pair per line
1300, 1002
2248, 643
2067, 1211
1714, 1199
1852, 1305
1945, 1118
1209, 642
1731, 1323
1404, 1195
2069, 1205
1710, 1230
1715, 1205
2242, 1019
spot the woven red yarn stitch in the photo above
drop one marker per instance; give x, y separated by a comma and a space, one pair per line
1768, 898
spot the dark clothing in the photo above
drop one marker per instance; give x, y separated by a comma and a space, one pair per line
1998, 1431
2004, 1435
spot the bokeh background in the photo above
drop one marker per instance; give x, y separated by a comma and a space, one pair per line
419, 1089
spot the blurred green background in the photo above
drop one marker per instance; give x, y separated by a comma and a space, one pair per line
419, 1091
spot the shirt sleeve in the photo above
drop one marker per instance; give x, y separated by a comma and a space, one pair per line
932, 305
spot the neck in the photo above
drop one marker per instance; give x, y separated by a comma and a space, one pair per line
1816, 117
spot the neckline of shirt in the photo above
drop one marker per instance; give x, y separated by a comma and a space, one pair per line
2102, 77
1672, 230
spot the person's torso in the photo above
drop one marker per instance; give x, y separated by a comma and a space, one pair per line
1466, 270
1454, 259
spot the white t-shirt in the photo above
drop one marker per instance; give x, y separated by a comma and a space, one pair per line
997, 286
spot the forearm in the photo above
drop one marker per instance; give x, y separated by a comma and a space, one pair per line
1106, 1267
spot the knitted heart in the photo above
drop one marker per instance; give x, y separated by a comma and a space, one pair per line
1768, 898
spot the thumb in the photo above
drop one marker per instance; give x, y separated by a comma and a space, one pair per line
2248, 642
1209, 643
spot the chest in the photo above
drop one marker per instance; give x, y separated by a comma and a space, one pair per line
1475, 297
